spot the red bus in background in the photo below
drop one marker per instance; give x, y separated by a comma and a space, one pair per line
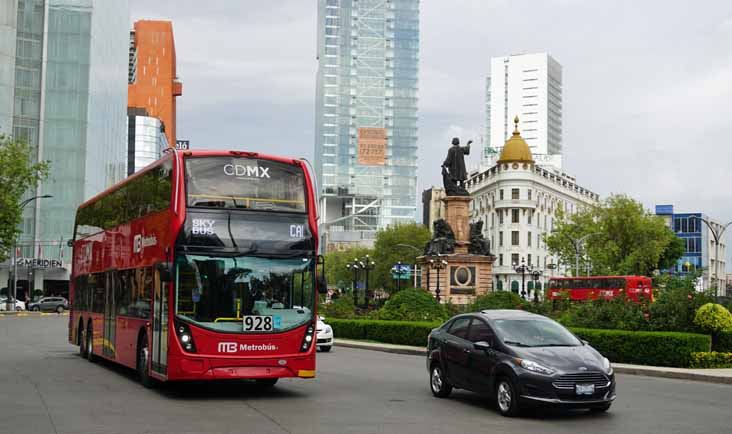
590, 288
201, 266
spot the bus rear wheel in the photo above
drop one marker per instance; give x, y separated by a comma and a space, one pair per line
81, 339
143, 363
90, 343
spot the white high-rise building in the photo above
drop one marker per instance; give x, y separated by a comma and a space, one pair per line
528, 86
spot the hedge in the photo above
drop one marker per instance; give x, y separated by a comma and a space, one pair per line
722, 343
646, 348
711, 360
620, 346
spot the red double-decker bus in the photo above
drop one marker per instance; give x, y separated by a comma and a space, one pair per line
203, 265
590, 288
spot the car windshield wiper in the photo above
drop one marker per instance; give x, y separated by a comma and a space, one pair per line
516, 343
556, 345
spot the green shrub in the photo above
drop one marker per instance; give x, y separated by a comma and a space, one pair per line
498, 300
646, 348
619, 313
711, 360
620, 346
341, 307
676, 305
391, 332
722, 342
412, 304
713, 318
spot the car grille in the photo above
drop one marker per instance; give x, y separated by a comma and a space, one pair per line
569, 381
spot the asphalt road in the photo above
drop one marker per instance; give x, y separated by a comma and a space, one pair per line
46, 388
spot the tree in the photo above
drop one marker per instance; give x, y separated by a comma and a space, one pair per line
622, 238
388, 251
18, 175
335, 267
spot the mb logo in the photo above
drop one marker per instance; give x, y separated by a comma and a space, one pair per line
227, 347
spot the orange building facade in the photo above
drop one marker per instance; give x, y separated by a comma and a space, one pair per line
153, 83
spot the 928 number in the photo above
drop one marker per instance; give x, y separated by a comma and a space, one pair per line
258, 323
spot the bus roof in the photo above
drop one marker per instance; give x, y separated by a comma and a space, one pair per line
197, 153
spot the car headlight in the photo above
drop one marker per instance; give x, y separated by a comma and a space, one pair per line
328, 329
606, 366
532, 366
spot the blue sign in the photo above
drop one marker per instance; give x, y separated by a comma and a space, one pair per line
401, 271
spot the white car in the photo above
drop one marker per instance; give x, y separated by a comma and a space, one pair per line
325, 335
19, 305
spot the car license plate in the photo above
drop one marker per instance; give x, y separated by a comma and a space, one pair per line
585, 389
258, 323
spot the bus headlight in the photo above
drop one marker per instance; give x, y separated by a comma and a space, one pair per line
307, 340
185, 337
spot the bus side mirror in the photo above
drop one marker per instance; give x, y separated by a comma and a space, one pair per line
320, 280
165, 271
70, 243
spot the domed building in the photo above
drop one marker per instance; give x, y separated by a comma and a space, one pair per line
517, 200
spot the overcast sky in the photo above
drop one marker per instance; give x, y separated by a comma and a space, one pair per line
647, 86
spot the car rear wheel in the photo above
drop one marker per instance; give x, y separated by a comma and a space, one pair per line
18, 308
90, 343
507, 398
143, 363
59, 309
36, 309
600, 408
438, 383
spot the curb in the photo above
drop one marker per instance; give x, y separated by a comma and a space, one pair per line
646, 371
16, 313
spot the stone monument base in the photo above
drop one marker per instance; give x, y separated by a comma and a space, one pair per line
464, 277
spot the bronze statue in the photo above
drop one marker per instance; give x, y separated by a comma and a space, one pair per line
478, 244
443, 239
453, 169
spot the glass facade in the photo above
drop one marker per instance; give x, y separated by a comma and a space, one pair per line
367, 78
76, 123
146, 142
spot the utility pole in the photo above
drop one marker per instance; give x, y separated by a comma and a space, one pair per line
717, 234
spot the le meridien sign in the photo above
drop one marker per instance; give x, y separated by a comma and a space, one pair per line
39, 263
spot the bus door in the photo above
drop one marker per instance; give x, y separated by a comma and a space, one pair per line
110, 315
160, 326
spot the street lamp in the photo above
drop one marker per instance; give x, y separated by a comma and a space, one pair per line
578, 244
717, 233
535, 275
366, 265
354, 266
523, 269
438, 264
15, 255
399, 272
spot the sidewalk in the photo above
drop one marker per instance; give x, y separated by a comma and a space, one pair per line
14, 313
719, 376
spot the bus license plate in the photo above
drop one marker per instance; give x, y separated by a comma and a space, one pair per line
258, 323
585, 389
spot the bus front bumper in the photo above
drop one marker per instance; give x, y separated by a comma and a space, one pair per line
189, 368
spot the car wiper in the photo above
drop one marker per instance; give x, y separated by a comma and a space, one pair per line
556, 345
515, 343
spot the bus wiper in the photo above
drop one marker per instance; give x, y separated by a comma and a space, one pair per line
515, 343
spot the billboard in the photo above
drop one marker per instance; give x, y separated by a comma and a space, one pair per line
372, 146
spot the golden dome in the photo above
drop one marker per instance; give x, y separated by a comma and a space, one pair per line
516, 150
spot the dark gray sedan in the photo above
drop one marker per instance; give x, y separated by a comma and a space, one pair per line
520, 359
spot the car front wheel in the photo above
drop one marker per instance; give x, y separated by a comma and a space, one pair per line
438, 383
59, 309
507, 398
36, 309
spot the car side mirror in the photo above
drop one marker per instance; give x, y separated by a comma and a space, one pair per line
320, 280
165, 271
584, 342
482, 346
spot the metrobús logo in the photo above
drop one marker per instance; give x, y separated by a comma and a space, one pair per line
141, 241
243, 171
233, 347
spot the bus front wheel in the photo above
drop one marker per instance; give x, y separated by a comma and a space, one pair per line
90, 343
143, 363
81, 339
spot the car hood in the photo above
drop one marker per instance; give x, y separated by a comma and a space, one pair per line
564, 359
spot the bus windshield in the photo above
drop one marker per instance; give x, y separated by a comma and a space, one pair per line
219, 293
245, 183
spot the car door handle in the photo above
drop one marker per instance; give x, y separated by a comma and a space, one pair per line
466, 351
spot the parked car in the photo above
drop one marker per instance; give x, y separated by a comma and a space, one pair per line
19, 305
49, 304
521, 360
325, 335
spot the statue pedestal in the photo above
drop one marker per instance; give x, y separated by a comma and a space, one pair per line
456, 215
464, 275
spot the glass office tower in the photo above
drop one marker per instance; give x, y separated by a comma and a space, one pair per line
366, 117
63, 89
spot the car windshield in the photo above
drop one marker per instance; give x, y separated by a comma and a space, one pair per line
534, 333
221, 292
